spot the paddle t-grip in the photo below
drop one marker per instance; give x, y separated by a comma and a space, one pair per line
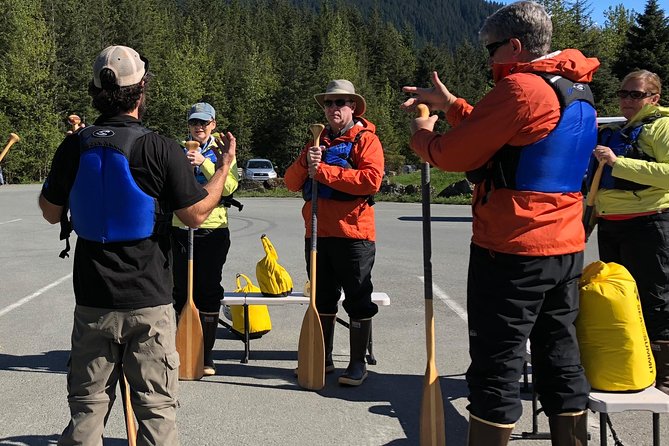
423, 111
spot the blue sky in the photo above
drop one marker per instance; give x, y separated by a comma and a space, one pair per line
599, 6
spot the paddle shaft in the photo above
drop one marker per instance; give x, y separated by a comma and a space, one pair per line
316, 130
427, 259
432, 425
590, 199
130, 426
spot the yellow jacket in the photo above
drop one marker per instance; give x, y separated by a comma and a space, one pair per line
653, 140
219, 216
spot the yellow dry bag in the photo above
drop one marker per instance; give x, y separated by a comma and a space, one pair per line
259, 321
273, 278
615, 350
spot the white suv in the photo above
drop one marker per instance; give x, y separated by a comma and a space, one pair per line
259, 169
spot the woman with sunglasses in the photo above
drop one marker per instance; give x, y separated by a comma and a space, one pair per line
211, 241
633, 204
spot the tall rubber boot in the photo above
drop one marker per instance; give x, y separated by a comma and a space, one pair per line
487, 433
569, 429
661, 354
328, 322
209, 326
356, 372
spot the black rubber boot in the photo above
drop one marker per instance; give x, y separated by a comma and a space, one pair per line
569, 429
356, 372
661, 354
209, 326
486, 433
328, 322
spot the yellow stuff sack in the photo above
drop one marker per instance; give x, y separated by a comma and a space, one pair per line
259, 321
615, 349
273, 278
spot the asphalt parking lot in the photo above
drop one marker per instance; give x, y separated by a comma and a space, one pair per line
260, 403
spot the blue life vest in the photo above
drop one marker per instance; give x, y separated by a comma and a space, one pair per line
337, 155
227, 200
105, 202
623, 142
211, 156
556, 163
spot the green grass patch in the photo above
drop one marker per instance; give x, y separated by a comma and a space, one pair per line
439, 180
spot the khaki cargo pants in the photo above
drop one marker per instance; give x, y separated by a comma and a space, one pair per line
144, 342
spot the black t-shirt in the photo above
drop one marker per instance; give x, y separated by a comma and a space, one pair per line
136, 274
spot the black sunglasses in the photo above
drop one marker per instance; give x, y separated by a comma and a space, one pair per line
337, 102
198, 122
634, 94
493, 47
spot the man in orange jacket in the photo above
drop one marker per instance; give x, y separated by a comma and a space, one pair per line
526, 145
349, 168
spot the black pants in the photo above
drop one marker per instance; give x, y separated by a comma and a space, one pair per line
511, 298
210, 250
343, 263
641, 245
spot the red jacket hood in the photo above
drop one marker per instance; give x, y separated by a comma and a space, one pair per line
570, 64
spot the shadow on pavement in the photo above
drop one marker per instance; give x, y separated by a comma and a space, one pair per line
47, 440
398, 396
54, 361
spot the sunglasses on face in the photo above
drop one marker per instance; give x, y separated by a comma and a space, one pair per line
198, 123
634, 94
338, 102
493, 47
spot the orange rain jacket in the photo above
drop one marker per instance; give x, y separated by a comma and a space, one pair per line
521, 109
337, 218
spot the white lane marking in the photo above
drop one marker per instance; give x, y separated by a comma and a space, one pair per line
33, 295
10, 221
445, 298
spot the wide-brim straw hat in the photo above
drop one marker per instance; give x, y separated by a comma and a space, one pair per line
342, 87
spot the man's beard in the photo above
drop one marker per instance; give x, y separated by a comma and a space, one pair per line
141, 110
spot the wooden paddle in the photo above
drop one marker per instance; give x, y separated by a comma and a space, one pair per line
130, 426
590, 200
13, 138
190, 344
432, 424
311, 349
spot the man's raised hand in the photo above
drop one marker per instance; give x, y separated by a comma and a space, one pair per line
227, 149
436, 97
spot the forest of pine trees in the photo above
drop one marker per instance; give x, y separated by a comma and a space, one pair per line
259, 62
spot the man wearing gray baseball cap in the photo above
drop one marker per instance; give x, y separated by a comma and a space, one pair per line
121, 183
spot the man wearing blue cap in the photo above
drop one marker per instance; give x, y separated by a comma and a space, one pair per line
211, 241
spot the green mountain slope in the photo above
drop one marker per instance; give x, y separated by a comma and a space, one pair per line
442, 22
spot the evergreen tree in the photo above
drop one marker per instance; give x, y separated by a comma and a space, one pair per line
618, 21
288, 112
647, 45
27, 59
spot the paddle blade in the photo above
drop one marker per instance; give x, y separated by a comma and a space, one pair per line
311, 352
432, 424
189, 344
